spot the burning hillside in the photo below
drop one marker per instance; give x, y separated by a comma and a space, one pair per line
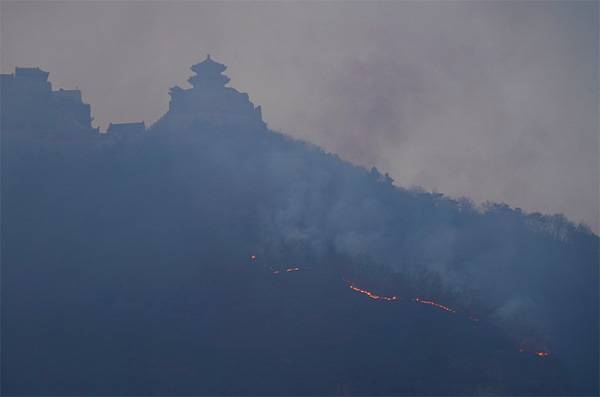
542, 353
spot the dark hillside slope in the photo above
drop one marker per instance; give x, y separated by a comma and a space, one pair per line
126, 269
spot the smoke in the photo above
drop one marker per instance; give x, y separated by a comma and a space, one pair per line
494, 101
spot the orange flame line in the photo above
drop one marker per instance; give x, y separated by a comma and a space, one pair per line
372, 295
435, 304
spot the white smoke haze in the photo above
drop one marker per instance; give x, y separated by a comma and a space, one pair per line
494, 101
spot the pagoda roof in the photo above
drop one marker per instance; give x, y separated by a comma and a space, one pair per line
208, 66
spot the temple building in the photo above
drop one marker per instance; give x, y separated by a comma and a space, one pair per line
210, 102
29, 104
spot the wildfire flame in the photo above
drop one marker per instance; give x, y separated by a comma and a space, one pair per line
435, 304
374, 296
371, 294
539, 353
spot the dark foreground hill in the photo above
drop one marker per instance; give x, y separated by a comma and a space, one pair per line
127, 268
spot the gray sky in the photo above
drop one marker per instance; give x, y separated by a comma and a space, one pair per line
490, 100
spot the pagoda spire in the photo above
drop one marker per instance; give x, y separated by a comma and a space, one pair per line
209, 74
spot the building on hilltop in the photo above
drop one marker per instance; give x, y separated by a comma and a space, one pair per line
209, 101
31, 74
70, 103
33, 78
29, 104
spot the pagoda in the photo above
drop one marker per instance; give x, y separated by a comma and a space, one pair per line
209, 75
209, 101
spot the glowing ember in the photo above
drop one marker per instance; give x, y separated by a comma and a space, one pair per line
435, 304
374, 296
539, 353
371, 294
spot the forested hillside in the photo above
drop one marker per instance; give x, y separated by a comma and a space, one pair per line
218, 257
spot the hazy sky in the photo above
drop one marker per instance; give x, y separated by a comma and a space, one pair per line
490, 100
